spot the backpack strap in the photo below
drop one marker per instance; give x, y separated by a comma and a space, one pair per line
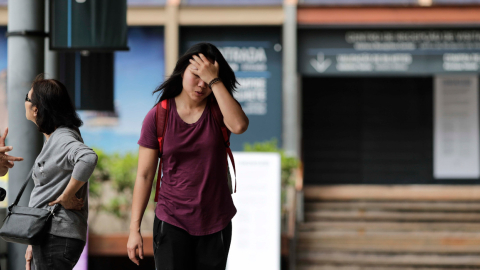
161, 119
217, 114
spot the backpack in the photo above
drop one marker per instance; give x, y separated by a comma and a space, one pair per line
161, 120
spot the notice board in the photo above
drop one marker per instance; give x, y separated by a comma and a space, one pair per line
456, 141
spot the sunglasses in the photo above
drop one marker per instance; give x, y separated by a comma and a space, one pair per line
27, 99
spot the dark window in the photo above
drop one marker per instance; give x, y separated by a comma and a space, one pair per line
369, 131
89, 79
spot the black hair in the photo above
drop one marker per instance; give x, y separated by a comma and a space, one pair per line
172, 87
55, 108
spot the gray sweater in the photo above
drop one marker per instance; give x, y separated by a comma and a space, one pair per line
63, 156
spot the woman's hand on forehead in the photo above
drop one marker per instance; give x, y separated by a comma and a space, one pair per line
203, 68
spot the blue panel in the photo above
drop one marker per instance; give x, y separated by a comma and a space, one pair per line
3, 49
388, 52
145, 2
232, 2
137, 73
251, 53
3, 2
358, 2
3, 80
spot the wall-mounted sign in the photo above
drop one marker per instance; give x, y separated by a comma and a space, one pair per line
396, 51
456, 141
93, 25
250, 65
254, 54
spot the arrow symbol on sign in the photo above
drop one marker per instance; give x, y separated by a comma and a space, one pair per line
320, 64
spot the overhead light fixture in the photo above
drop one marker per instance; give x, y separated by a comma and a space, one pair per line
425, 3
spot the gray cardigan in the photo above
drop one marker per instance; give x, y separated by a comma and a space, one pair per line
63, 156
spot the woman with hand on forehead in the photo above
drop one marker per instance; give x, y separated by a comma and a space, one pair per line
192, 227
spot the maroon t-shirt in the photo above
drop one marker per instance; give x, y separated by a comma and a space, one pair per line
194, 194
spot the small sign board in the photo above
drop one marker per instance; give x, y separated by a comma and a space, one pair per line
411, 52
256, 227
254, 54
456, 141
92, 25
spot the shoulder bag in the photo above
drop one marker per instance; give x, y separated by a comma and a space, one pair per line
26, 225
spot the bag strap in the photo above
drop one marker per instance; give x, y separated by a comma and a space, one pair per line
218, 116
161, 120
22, 189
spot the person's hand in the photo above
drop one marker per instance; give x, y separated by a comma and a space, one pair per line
135, 241
203, 68
68, 202
6, 161
28, 257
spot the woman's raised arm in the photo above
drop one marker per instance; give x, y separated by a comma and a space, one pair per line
233, 116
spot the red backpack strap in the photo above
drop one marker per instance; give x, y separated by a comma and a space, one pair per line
161, 119
217, 114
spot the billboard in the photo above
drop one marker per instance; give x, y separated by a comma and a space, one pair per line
88, 25
255, 56
412, 52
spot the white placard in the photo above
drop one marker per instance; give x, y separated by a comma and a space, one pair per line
456, 141
256, 227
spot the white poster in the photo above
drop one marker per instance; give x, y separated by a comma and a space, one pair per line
456, 147
256, 227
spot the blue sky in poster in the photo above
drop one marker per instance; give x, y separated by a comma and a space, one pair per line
137, 73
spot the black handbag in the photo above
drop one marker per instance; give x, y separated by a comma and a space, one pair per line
26, 225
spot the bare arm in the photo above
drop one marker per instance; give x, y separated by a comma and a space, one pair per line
68, 199
233, 115
147, 166
73, 186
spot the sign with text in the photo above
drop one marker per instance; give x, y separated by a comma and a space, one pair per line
256, 226
456, 141
93, 25
252, 89
254, 54
410, 52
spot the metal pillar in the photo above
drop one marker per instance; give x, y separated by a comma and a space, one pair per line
171, 35
51, 57
291, 92
25, 62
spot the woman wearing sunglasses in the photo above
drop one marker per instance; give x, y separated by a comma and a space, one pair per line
60, 172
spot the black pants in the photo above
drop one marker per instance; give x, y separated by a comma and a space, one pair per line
57, 253
175, 249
